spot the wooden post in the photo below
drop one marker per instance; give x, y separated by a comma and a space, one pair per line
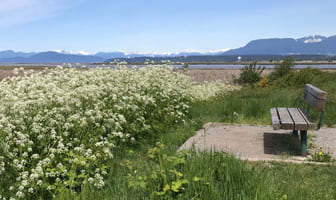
295, 133
303, 135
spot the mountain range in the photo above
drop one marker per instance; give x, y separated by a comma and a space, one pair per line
9, 56
311, 45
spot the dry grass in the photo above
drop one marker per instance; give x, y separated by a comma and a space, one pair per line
212, 75
5, 73
197, 75
225, 75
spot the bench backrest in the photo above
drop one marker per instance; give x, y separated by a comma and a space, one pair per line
315, 97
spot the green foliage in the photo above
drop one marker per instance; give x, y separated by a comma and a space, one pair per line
299, 78
283, 68
164, 180
205, 175
185, 67
253, 104
210, 175
321, 156
250, 74
304, 181
263, 83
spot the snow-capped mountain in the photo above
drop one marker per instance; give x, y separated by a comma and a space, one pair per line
312, 39
188, 52
311, 45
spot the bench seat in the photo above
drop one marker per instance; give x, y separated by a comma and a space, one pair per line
297, 119
291, 119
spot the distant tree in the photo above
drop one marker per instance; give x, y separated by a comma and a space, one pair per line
282, 69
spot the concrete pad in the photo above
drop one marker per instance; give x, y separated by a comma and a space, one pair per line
250, 142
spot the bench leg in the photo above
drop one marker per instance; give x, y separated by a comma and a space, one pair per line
295, 133
303, 135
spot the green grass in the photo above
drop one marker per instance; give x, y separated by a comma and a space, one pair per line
220, 175
304, 181
253, 105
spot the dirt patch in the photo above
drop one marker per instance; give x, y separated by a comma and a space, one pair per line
6, 73
258, 142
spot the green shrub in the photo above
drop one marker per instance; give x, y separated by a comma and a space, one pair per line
298, 78
250, 74
282, 69
263, 83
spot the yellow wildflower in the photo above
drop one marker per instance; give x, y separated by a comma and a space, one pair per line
166, 188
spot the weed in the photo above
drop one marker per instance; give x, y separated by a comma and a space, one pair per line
321, 156
282, 69
263, 83
250, 74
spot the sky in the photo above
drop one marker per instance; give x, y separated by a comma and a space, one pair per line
157, 25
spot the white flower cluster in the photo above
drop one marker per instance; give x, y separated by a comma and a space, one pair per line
208, 90
59, 118
57, 125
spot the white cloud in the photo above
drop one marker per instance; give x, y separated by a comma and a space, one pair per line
22, 11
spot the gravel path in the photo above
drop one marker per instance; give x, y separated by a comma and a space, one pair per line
325, 138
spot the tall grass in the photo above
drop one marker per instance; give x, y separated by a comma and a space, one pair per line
218, 175
253, 105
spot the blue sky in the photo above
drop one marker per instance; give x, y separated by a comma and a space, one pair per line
157, 25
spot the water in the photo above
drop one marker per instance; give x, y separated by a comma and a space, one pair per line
218, 66
228, 66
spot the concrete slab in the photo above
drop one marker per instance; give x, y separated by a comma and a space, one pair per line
255, 142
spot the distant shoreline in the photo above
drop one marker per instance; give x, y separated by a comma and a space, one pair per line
192, 65
236, 63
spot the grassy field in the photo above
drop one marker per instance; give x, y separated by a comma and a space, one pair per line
151, 168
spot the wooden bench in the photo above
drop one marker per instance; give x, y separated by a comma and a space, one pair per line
298, 119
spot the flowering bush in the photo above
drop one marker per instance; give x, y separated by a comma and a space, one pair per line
58, 127
263, 83
207, 90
